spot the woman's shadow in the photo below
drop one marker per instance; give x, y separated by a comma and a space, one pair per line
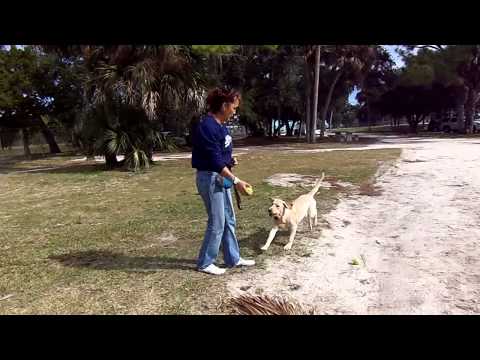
106, 260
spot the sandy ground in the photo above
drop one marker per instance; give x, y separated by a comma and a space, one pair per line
418, 244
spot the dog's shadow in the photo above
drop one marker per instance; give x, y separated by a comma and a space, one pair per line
106, 260
255, 241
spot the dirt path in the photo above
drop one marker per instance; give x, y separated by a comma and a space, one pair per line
418, 243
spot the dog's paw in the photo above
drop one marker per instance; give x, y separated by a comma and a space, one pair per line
287, 247
264, 248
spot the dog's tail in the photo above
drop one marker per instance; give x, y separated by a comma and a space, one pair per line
317, 186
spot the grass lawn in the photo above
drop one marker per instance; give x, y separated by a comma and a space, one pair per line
80, 240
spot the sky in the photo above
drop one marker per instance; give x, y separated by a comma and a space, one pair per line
18, 46
398, 63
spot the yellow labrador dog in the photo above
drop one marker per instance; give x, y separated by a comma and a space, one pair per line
289, 217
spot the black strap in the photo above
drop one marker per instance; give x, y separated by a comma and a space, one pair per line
237, 197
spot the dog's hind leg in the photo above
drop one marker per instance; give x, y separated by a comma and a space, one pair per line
312, 215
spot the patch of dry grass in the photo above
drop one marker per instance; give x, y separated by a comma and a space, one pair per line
369, 189
80, 240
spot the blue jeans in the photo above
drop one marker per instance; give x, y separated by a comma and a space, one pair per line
221, 222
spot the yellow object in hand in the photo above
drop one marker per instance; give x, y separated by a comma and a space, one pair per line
249, 190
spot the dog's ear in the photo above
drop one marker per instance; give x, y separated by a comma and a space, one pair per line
286, 205
273, 199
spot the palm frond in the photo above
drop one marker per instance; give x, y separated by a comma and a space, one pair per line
266, 305
137, 159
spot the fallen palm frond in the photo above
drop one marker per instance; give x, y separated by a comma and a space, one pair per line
266, 305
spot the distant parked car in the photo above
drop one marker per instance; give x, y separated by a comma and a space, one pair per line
434, 125
451, 124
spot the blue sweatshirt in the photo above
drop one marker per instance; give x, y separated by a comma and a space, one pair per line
211, 145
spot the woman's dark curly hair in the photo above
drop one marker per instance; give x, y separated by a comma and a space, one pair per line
218, 96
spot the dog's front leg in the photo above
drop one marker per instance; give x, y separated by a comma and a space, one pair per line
293, 231
272, 234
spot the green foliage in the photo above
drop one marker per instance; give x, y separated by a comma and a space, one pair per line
214, 49
417, 75
435, 79
224, 49
20, 78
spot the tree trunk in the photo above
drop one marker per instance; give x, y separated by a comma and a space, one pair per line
308, 97
327, 102
470, 106
90, 150
75, 140
460, 110
308, 102
279, 116
422, 120
290, 128
300, 128
26, 143
460, 100
413, 123
49, 138
369, 124
315, 94
276, 129
111, 161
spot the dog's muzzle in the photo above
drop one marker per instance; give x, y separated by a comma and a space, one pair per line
269, 212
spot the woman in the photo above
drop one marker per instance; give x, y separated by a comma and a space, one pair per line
212, 157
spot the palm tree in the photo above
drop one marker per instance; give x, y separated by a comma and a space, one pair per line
124, 79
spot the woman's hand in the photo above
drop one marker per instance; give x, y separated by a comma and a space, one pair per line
242, 187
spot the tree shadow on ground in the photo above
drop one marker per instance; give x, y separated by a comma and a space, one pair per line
9, 164
70, 169
107, 260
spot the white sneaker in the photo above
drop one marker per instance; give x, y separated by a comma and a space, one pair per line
243, 262
212, 269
